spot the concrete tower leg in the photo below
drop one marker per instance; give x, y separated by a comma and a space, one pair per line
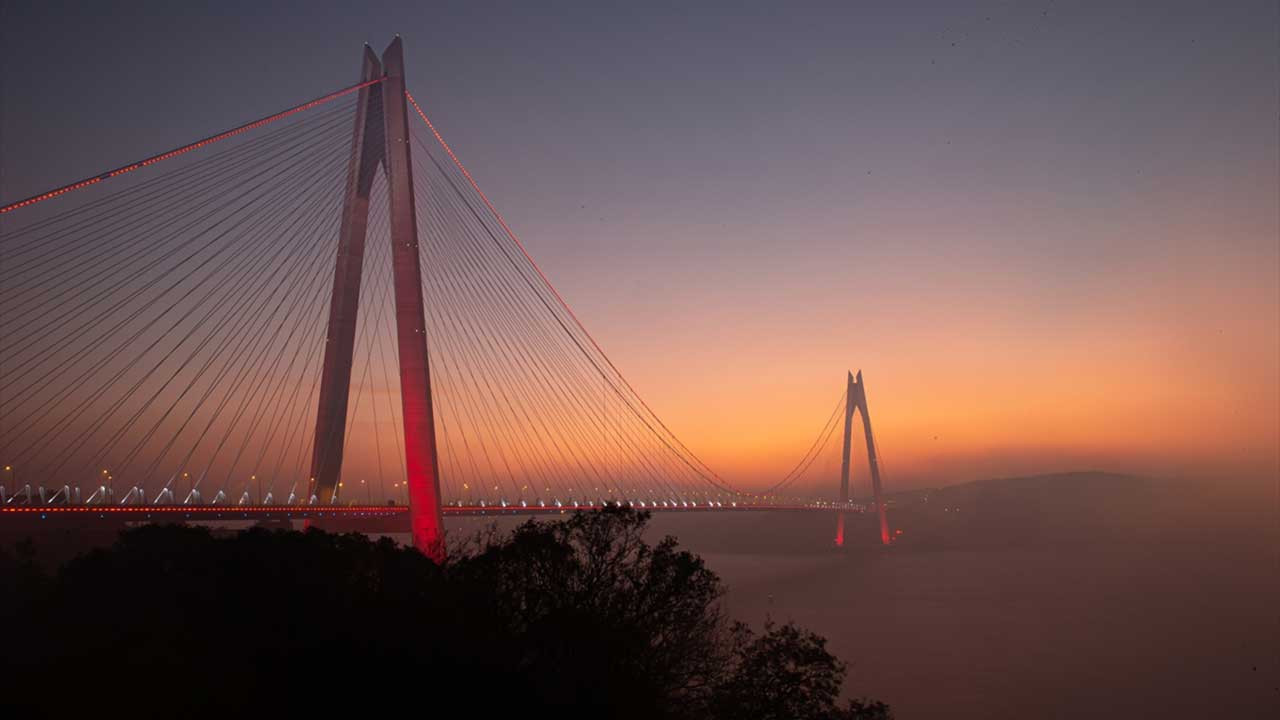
876, 490
335, 378
844, 462
421, 467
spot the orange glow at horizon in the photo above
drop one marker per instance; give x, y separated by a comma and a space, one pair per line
1169, 367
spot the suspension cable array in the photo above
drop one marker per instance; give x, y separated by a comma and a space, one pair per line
163, 341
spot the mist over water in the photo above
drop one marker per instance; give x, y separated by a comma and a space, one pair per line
1133, 631
1059, 596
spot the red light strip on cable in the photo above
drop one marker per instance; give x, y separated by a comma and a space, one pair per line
184, 149
547, 280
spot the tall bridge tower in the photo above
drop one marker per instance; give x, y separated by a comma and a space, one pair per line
856, 399
381, 139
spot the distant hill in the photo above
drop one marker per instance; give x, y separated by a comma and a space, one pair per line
1055, 494
1054, 508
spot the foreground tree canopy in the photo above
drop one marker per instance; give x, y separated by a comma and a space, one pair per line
576, 618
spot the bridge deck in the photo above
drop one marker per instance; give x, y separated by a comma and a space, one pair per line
142, 513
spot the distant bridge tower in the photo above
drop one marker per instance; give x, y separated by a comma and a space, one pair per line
381, 138
856, 399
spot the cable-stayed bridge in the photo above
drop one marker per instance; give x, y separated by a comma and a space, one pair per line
320, 315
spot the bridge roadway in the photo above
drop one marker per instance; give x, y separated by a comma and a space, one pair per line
353, 518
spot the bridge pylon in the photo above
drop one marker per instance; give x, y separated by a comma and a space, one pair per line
381, 138
856, 399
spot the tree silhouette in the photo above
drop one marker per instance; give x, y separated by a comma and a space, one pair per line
575, 618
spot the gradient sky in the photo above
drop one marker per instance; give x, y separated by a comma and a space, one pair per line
1047, 232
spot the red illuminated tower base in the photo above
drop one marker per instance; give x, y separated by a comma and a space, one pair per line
856, 399
381, 137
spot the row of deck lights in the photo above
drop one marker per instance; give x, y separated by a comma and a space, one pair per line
106, 494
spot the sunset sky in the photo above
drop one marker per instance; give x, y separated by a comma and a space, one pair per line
1048, 233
